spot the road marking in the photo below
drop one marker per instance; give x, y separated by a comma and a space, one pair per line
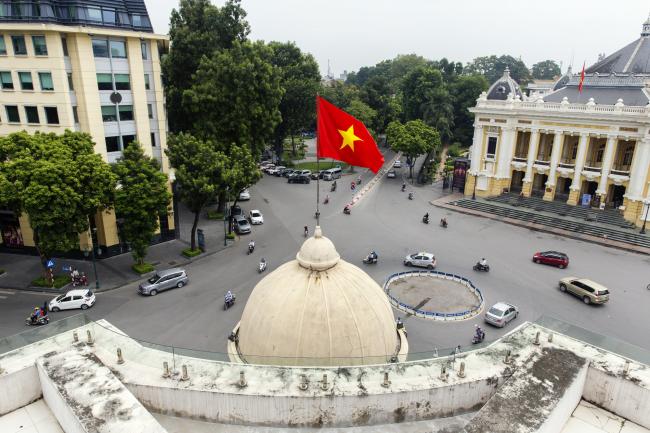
3, 297
6, 292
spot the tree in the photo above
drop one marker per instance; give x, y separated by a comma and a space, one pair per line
546, 70
362, 112
199, 170
492, 68
235, 97
412, 139
141, 198
340, 94
464, 90
59, 182
197, 29
378, 94
300, 79
241, 172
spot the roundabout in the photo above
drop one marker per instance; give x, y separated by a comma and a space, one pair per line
434, 295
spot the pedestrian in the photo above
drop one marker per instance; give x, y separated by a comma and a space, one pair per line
45, 308
83, 279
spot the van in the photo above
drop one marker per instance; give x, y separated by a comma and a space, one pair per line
163, 280
332, 173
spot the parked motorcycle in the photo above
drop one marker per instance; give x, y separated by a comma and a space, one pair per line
481, 268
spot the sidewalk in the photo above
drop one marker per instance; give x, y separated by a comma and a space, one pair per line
114, 272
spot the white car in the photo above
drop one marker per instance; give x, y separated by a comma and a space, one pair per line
79, 298
256, 217
397, 164
245, 195
421, 259
501, 313
391, 174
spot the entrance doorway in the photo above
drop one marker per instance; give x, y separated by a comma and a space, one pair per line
539, 185
615, 196
12, 237
588, 193
517, 181
563, 189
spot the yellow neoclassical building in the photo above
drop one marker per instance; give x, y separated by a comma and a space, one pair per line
91, 66
589, 147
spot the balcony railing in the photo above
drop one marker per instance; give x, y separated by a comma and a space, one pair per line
620, 169
593, 166
542, 162
519, 159
556, 106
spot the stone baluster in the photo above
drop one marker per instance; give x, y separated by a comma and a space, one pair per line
580, 162
608, 160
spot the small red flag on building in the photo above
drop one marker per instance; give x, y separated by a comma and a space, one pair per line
582, 78
344, 138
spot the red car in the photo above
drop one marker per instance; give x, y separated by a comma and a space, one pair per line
553, 258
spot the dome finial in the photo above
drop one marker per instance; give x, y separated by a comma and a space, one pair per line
318, 233
646, 27
506, 72
318, 252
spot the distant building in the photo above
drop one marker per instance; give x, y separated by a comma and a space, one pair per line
91, 66
590, 147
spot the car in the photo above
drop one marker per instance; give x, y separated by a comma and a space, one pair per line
236, 210
277, 170
421, 259
241, 225
164, 280
391, 174
245, 195
500, 314
553, 258
397, 164
589, 291
317, 175
256, 217
267, 168
287, 172
299, 178
78, 298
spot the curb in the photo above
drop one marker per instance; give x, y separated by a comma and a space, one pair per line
372, 182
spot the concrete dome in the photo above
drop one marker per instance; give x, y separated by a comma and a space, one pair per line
317, 310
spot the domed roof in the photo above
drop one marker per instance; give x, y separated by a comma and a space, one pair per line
317, 310
563, 80
503, 87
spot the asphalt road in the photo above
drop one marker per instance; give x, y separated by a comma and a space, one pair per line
193, 317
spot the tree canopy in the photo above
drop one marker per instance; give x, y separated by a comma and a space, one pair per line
492, 67
546, 70
412, 139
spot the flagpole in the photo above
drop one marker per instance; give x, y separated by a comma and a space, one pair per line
317, 168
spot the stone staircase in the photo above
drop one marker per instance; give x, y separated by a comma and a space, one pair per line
601, 229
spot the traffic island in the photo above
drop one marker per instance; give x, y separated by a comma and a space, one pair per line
434, 295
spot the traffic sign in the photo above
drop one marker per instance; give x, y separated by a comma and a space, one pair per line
50, 263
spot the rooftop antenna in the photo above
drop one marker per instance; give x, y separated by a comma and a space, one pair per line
329, 70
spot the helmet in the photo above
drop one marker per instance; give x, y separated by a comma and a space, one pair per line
36, 308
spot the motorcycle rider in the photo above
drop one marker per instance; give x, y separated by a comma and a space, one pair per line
372, 257
346, 209
306, 231
262, 263
228, 298
425, 218
333, 186
403, 187
251, 246
36, 314
410, 196
483, 263
443, 222
327, 199
478, 334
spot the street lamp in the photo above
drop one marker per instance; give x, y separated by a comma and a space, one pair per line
474, 190
647, 208
87, 250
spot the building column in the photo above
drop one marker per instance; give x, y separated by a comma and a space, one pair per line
549, 194
477, 144
577, 175
504, 159
530, 161
608, 159
634, 195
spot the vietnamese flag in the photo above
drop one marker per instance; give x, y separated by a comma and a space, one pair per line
582, 78
344, 138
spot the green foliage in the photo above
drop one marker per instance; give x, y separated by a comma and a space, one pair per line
190, 252
235, 96
323, 165
455, 150
142, 268
339, 94
546, 70
2, 271
215, 215
58, 181
199, 171
230, 236
58, 282
464, 90
412, 139
492, 67
242, 170
197, 29
141, 198
361, 111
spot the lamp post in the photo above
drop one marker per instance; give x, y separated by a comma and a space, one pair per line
87, 250
647, 208
474, 190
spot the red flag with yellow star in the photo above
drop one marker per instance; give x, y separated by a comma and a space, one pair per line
344, 138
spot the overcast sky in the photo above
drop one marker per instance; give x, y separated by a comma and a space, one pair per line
355, 33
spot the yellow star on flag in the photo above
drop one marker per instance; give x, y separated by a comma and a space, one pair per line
348, 138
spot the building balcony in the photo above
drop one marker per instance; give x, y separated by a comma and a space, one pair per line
620, 170
520, 158
543, 162
593, 166
567, 163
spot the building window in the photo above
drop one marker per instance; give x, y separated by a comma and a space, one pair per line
109, 16
75, 114
600, 153
150, 110
491, 147
122, 82
70, 83
104, 82
100, 47
627, 156
112, 144
20, 47
145, 51
5, 80
137, 20
126, 112
118, 49
12, 113
64, 44
3, 47
46, 81
153, 139
52, 115
26, 82
94, 14
32, 114
147, 82
126, 140
40, 46
109, 113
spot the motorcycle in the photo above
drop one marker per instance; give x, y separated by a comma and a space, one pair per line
443, 223
230, 303
43, 320
410, 196
326, 201
346, 210
476, 339
333, 188
403, 187
481, 268
262, 266
425, 219
251, 248
370, 260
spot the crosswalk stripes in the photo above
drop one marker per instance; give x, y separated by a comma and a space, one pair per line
6, 292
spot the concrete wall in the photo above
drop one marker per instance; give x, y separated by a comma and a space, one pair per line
58, 405
328, 411
618, 394
18, 389
560, 415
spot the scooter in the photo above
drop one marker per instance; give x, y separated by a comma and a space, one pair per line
43, 320
410, 196
425, 219
346, 210
251, 248
403, 187
333, 188
370, 260
443, 223
476, 339
480, 268
262, 266
326, 201
228, 304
